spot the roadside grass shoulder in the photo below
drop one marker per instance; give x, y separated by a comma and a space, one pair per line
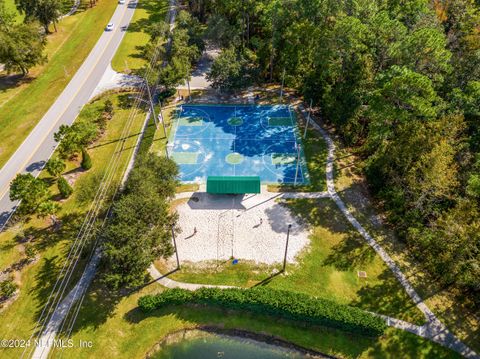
128, 57
23, 104
36, 279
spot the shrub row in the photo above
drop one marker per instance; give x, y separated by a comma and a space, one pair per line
279, 303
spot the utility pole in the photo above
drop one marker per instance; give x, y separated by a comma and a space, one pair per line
189, 94
166, 151
286, 248
152, 106
308, 119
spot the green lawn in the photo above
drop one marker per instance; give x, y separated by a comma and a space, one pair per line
24, 102
128, 57
118, 329
328, 269
450, 305
36, 280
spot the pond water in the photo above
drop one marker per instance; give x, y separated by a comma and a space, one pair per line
203, 345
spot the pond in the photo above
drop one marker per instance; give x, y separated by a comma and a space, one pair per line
205, 345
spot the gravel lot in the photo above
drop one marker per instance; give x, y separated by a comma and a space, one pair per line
252, 227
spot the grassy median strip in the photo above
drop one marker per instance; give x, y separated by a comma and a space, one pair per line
278, 303
23, 105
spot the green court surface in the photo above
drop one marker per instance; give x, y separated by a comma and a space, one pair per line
234, 158
190, 121
283, 158
279, 121
235, 121
185, 158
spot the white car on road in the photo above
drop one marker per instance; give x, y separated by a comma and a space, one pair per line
109, 26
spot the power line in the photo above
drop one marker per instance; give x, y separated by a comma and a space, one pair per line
87, 227
79, 302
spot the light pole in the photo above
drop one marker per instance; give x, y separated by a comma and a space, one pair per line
152, 109
283, 81
175, 245
297, 147
308, 119
188, 87
160, 116
286, 248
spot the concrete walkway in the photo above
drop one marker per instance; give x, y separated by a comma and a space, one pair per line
47, 334
198, 79
72, 10
433, 329
112, 79
170, 283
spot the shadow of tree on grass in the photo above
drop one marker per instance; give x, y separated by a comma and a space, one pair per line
388, 297
350, 254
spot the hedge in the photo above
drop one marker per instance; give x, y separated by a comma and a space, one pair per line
279, 303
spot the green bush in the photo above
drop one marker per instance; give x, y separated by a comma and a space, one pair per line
64, 188
279, 303
7, 288
86, 160
109, 107
30, 251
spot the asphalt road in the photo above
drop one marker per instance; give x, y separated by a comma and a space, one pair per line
47, 336
37, 148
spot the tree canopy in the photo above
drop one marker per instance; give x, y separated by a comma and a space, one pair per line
21, 45
32, 192
400, 82
141, 224
46, 12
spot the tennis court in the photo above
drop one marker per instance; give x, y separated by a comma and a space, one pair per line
238, 140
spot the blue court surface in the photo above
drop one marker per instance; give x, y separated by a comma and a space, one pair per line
238, 140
